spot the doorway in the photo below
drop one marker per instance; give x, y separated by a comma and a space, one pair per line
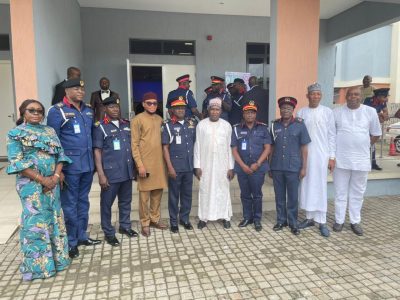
7, 114
160, 79
146, 79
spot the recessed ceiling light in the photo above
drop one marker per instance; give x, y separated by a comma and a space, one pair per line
222, 3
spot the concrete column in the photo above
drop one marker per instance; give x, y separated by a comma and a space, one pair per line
294, 49
23, 50
395, 64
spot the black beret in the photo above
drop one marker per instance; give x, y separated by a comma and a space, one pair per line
382, 92
73, 83
111, 100
238, 80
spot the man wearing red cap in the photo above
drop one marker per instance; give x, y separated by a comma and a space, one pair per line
148, 156
288, 163
178, 136
184, 91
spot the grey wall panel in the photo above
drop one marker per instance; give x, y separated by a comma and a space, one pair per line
326, 65
106, 34
58, 42
361, 18
368, 53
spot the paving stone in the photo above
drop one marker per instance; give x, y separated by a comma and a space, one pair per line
229, 264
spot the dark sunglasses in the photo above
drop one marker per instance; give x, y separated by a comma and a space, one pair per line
151, 103
33, 111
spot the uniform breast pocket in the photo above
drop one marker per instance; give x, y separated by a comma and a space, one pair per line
75, 156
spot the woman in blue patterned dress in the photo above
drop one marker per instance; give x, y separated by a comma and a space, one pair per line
36, 156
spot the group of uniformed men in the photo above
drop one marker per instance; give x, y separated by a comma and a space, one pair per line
119, 146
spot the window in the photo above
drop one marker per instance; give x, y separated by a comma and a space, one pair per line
161, 47
4, 42
257, 62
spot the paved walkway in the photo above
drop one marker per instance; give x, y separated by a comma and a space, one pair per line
229, 264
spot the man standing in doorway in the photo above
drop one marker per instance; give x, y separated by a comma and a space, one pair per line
251, 145
218, 91
357, 128
184, 91
320, 125
148, 156
72, 120
260, 97
213, 163
288, 163
178, 136
238, 90
97, 98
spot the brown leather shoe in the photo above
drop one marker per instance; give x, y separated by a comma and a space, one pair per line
146, 231
158, 225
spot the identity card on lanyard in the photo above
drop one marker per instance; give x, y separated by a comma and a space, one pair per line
117, 145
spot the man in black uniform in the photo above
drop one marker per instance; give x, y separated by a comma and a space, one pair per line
115, 168
218, 91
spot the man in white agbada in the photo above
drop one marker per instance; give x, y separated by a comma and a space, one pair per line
213, 163
320, 124
357, 128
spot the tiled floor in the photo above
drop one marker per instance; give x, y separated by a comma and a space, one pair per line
229, 264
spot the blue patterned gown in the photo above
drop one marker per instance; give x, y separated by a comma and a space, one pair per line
43, 236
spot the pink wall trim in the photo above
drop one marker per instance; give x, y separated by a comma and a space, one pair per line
23, 50
297, 48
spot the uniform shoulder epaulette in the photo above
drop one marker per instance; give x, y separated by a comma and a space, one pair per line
125, 121
237, 124
261, 123
276, 120
166, 121
88, 105
298, 119
97, 124
59, 104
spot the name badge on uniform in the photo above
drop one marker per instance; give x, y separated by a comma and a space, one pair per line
178, 140
117, 145
77, 128
244, 145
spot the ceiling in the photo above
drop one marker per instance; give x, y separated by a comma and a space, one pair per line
328, 8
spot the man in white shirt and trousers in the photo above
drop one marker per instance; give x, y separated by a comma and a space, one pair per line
320, 124
357, 128
213, 163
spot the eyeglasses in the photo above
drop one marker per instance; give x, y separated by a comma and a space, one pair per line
33, 111
151, 103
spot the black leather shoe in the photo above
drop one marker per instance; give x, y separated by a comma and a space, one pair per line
89, 242
295, 230
306, 223
174, 228
112, 240
245, 222
227, 224
279, 226
129, 232
376, 167
257, 225
201, 224
73, 252
187, 225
